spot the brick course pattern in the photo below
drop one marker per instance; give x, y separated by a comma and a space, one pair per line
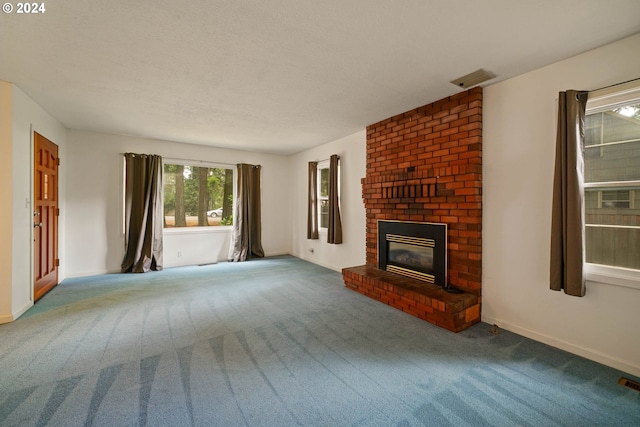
425, 165
454, 312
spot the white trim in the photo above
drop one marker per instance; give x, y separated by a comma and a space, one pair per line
612, 184
599, 101
23, 310
628, 227
611, 96
123, 180
322, 164
612, 143
32, 160
197, 163
315, 261
609, 275
625, 366
198, 230
92, 273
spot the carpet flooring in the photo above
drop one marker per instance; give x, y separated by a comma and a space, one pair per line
279, 342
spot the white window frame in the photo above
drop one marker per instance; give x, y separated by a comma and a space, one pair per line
203, 164
600, 100
324, 164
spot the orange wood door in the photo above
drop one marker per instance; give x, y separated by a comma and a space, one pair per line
45, 216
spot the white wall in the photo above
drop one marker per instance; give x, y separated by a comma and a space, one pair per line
6, 216
518, 150
353, 155
519, 135
95, 241
25, 118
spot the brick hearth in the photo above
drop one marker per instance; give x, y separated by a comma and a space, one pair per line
425, 165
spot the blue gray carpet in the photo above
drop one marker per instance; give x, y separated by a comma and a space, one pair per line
279, 342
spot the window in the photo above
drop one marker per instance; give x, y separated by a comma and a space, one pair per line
197, 196
323, 194
612, 180
617, 199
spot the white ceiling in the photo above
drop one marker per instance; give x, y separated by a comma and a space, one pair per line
280, 76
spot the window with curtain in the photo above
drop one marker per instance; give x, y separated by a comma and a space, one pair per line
142, 213
324, 200
612, 184
197, 196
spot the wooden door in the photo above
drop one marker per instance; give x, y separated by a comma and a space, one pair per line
45, 216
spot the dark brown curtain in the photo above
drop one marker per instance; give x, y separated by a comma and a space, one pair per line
567, 221
334, 232
312, 212
246, 240
143, 213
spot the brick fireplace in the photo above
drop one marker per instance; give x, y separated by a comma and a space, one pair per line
425, 165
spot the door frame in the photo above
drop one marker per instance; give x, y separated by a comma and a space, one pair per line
32, 192
31, 204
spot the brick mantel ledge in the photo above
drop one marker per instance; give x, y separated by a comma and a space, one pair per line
403, 175
454, 312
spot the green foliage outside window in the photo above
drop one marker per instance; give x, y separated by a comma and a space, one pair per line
197, 196
323, 196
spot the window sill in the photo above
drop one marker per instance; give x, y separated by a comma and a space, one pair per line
198, 230
613, 276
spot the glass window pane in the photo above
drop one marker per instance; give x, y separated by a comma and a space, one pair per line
612, 145
196, 196
324, 182
618, 247
593, 129
324, 213
611, 234
612, 214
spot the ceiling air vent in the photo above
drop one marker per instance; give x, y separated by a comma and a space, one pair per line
473, 79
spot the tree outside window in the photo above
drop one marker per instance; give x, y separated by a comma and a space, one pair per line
197, 196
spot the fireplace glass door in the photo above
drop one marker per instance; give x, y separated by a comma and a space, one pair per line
416, 250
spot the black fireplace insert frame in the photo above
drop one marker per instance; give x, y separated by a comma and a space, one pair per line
425, 230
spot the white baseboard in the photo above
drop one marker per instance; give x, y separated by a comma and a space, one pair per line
90, 273
566, 346
268, 254
22, 310
208, 261
315, 261
8, 318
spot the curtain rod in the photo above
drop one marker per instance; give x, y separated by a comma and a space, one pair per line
614, 85
201, 161
325, 160
190, 160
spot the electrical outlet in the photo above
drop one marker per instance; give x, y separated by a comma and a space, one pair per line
179, 254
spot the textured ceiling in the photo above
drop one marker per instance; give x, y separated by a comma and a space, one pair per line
280, 76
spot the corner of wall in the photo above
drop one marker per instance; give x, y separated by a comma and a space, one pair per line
26, 116
6, 194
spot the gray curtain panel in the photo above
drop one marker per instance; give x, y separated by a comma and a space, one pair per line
567, 220
312, 212
246, 240
334, 233
143, 213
